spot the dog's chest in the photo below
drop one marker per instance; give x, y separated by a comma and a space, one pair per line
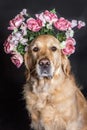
48, 102
51, 98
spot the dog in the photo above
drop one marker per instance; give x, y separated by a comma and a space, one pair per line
53, 99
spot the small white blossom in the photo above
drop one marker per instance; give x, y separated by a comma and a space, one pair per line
69, 33
81, 24
63, 44
24, 12
73, 23
49, 26
18, 35
24, 29
23, 41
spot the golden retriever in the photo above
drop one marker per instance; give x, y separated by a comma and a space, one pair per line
53, 99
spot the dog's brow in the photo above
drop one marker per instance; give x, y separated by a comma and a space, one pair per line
37, 43
33, 45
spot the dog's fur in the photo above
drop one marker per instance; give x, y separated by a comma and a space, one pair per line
53, 99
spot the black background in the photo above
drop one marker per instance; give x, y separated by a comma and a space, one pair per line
13, 115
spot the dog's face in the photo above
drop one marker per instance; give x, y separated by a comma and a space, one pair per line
44, 56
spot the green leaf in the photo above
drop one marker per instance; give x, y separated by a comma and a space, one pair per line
53, 11
31, 38
61, 36
21, 49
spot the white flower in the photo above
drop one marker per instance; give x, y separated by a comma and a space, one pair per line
73, 23
69, 33
49, 26
81, 24
13, 40
63, 44
18, 35
24, 12
23, 41
24, 29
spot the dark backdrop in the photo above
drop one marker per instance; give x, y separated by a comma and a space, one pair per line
13, 115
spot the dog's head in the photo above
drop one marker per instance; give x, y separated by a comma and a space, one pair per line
44, 57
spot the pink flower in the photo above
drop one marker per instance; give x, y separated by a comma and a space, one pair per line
34, 24
62, 24
17, 59
70, 46
24, 12
47, 16
41, 17
81, 24
8, 47
16, 22
50, 17
9, 44
9, 39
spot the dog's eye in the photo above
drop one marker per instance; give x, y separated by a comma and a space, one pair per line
53, 48
35, 49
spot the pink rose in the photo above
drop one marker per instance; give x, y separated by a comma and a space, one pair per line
16, 22
47, 16
62, 24
80, 24
70, 46
17, 59
50, 17
34, 24
8, 47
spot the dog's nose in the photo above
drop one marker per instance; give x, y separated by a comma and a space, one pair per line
44, 62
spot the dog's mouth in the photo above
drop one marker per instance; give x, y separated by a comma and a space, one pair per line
44, 68
45, 71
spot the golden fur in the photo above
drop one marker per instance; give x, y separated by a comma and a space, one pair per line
54, 102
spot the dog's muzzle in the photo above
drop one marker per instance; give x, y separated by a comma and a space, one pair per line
44, 67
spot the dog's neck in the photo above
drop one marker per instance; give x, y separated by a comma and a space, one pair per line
45, 84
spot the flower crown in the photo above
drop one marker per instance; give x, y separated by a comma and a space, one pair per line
25, 28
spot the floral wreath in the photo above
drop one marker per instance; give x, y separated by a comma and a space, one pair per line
25, 28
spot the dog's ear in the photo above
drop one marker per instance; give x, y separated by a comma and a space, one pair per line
28, 64
27, 61
66, 65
